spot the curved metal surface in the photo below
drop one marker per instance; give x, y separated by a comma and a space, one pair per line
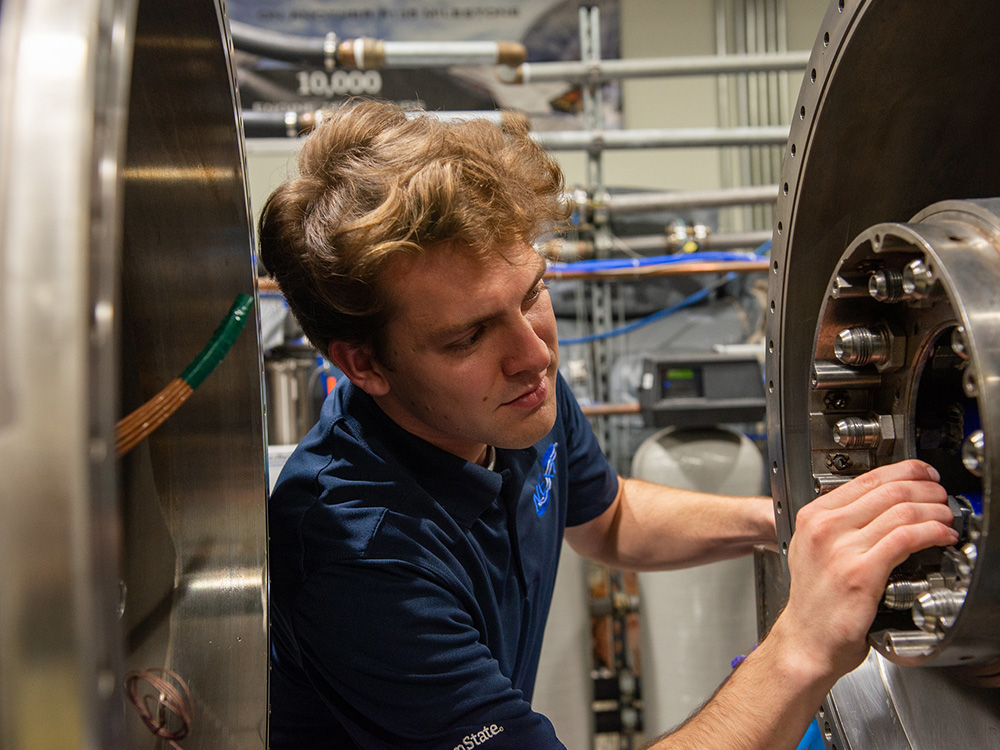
64, 71
119, 255
896, 112
193, 494
927, 396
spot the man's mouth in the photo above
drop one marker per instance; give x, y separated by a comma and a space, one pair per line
532, 397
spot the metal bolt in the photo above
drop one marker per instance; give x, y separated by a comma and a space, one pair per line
957, 563
823, 483
829, 375
887, 285
837, 400
958, 344
848, 288
971, 554
854, 432
974, 452
969, 385
937, 608
910, 642
917, 279
859, 345
838, 462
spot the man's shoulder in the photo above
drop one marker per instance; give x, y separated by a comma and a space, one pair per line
342, 501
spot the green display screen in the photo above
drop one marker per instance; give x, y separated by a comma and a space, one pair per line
679, 374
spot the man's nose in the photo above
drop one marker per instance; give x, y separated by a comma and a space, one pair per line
525, 349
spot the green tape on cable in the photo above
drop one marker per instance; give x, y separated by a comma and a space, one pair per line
220, 343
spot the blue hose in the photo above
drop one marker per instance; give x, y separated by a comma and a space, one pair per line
602, 264
813, 739
605, 264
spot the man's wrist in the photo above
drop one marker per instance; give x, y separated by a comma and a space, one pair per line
805, 667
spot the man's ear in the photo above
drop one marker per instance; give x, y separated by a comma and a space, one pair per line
360, 366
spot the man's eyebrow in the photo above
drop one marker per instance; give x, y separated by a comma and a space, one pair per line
445, 333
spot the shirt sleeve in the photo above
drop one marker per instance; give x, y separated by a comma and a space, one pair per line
398, 659
593, 483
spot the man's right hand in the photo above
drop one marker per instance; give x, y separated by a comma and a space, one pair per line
845, 546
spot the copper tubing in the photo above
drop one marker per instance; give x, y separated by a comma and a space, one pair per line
511, 53
362, 53
607, 410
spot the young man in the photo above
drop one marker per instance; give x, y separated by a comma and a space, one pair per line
415, 532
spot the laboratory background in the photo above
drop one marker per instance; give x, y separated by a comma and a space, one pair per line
781, 270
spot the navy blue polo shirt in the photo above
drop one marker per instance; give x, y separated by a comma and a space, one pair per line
410, 588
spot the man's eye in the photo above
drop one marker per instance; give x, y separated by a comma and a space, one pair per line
469, 341
533, 294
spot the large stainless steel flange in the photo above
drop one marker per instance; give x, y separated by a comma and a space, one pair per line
897, 112
907, 364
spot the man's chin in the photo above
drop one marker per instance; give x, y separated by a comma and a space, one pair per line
526, 435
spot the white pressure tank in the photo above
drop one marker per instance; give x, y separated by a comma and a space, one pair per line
694, 622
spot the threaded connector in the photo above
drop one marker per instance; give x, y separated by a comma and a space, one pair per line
859, 346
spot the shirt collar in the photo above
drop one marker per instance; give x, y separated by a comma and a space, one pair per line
463, 488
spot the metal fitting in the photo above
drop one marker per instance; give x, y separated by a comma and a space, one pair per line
886, 285
958, 343
917, 280
970, 386
961, 509
859, 346
957, 564
837, 400
838, 462
854, 432
848, 288
937, 609
835, 375
330, 42
823, 483
911, 643
974, 452
901, 593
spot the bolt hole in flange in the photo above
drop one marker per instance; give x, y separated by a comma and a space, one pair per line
896, 374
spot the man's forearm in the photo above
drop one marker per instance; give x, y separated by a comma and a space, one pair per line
653, 527
766, 704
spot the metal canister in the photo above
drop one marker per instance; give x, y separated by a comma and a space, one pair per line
293, 394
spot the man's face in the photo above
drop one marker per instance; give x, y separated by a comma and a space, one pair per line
471, 351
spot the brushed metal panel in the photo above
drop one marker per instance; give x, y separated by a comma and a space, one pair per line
124, 238
193, 494
897, 111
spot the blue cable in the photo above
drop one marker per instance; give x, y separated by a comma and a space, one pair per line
604, 264
686, 302
598, 264
813, 739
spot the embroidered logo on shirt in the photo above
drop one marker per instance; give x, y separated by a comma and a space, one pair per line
543, 489
476, 739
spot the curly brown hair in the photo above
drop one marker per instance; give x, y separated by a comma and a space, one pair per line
376, 184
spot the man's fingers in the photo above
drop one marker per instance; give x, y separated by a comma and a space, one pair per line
888, 497
903, 541
865, 509
911, 469
905, 515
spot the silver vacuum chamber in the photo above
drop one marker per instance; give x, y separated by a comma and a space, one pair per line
125, 236
883, 339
